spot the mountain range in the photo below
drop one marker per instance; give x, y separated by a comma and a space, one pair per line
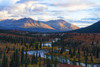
95, 28
29, 24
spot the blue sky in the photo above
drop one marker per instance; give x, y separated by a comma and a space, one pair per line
79, 12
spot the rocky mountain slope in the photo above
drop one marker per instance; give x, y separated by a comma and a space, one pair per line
28, 24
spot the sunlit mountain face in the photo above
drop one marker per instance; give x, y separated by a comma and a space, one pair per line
29, 24
49, 33
81, 13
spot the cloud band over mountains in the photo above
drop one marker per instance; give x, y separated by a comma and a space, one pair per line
69, 10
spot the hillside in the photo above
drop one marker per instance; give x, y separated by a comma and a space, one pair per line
61, 25
95, 28
28, 24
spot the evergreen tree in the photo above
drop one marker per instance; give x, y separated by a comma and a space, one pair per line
36, 46
87, 51
97, 53
22, 56
17, 59
12, 62
4, 61
39, 60
55, 62
48, 62
91, 58
70, 51
0, 54
74, 52
86, 59
63, 46
62, 50
26, 62
8, 49
84, 52
79, 51
36, 59
33, 59
40, 45
66, 59
0, 64
93, 51
78, 55
74, 61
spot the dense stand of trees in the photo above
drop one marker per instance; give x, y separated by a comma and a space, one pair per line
80, 46
75, 44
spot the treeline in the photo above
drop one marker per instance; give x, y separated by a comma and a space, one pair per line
18, 59
83, 48
22, 59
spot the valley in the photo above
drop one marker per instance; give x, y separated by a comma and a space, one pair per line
41, 50
49, 33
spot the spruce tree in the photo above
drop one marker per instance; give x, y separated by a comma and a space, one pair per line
74, 52
55, 62
36, 59
39, 60
97, 53
4, 61
40, 45
12, 62
17, 59
26, 62
33, 59
70, 51
86, 59
79, 56
91, 58
36, 46
0, 54
22, 56
74, 61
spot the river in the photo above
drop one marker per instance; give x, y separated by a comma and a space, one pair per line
59, 58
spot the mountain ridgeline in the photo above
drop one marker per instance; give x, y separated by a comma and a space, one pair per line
95, 28
28, 24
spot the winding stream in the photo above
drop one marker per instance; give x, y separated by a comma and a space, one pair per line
59, 58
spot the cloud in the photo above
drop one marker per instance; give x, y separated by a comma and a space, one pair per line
4, 14
82, 24
24, 9
7, 2
77, 7
79, 11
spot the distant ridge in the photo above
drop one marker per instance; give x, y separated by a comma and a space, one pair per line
95, 28
29, 24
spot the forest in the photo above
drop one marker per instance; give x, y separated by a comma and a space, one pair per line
49, 50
